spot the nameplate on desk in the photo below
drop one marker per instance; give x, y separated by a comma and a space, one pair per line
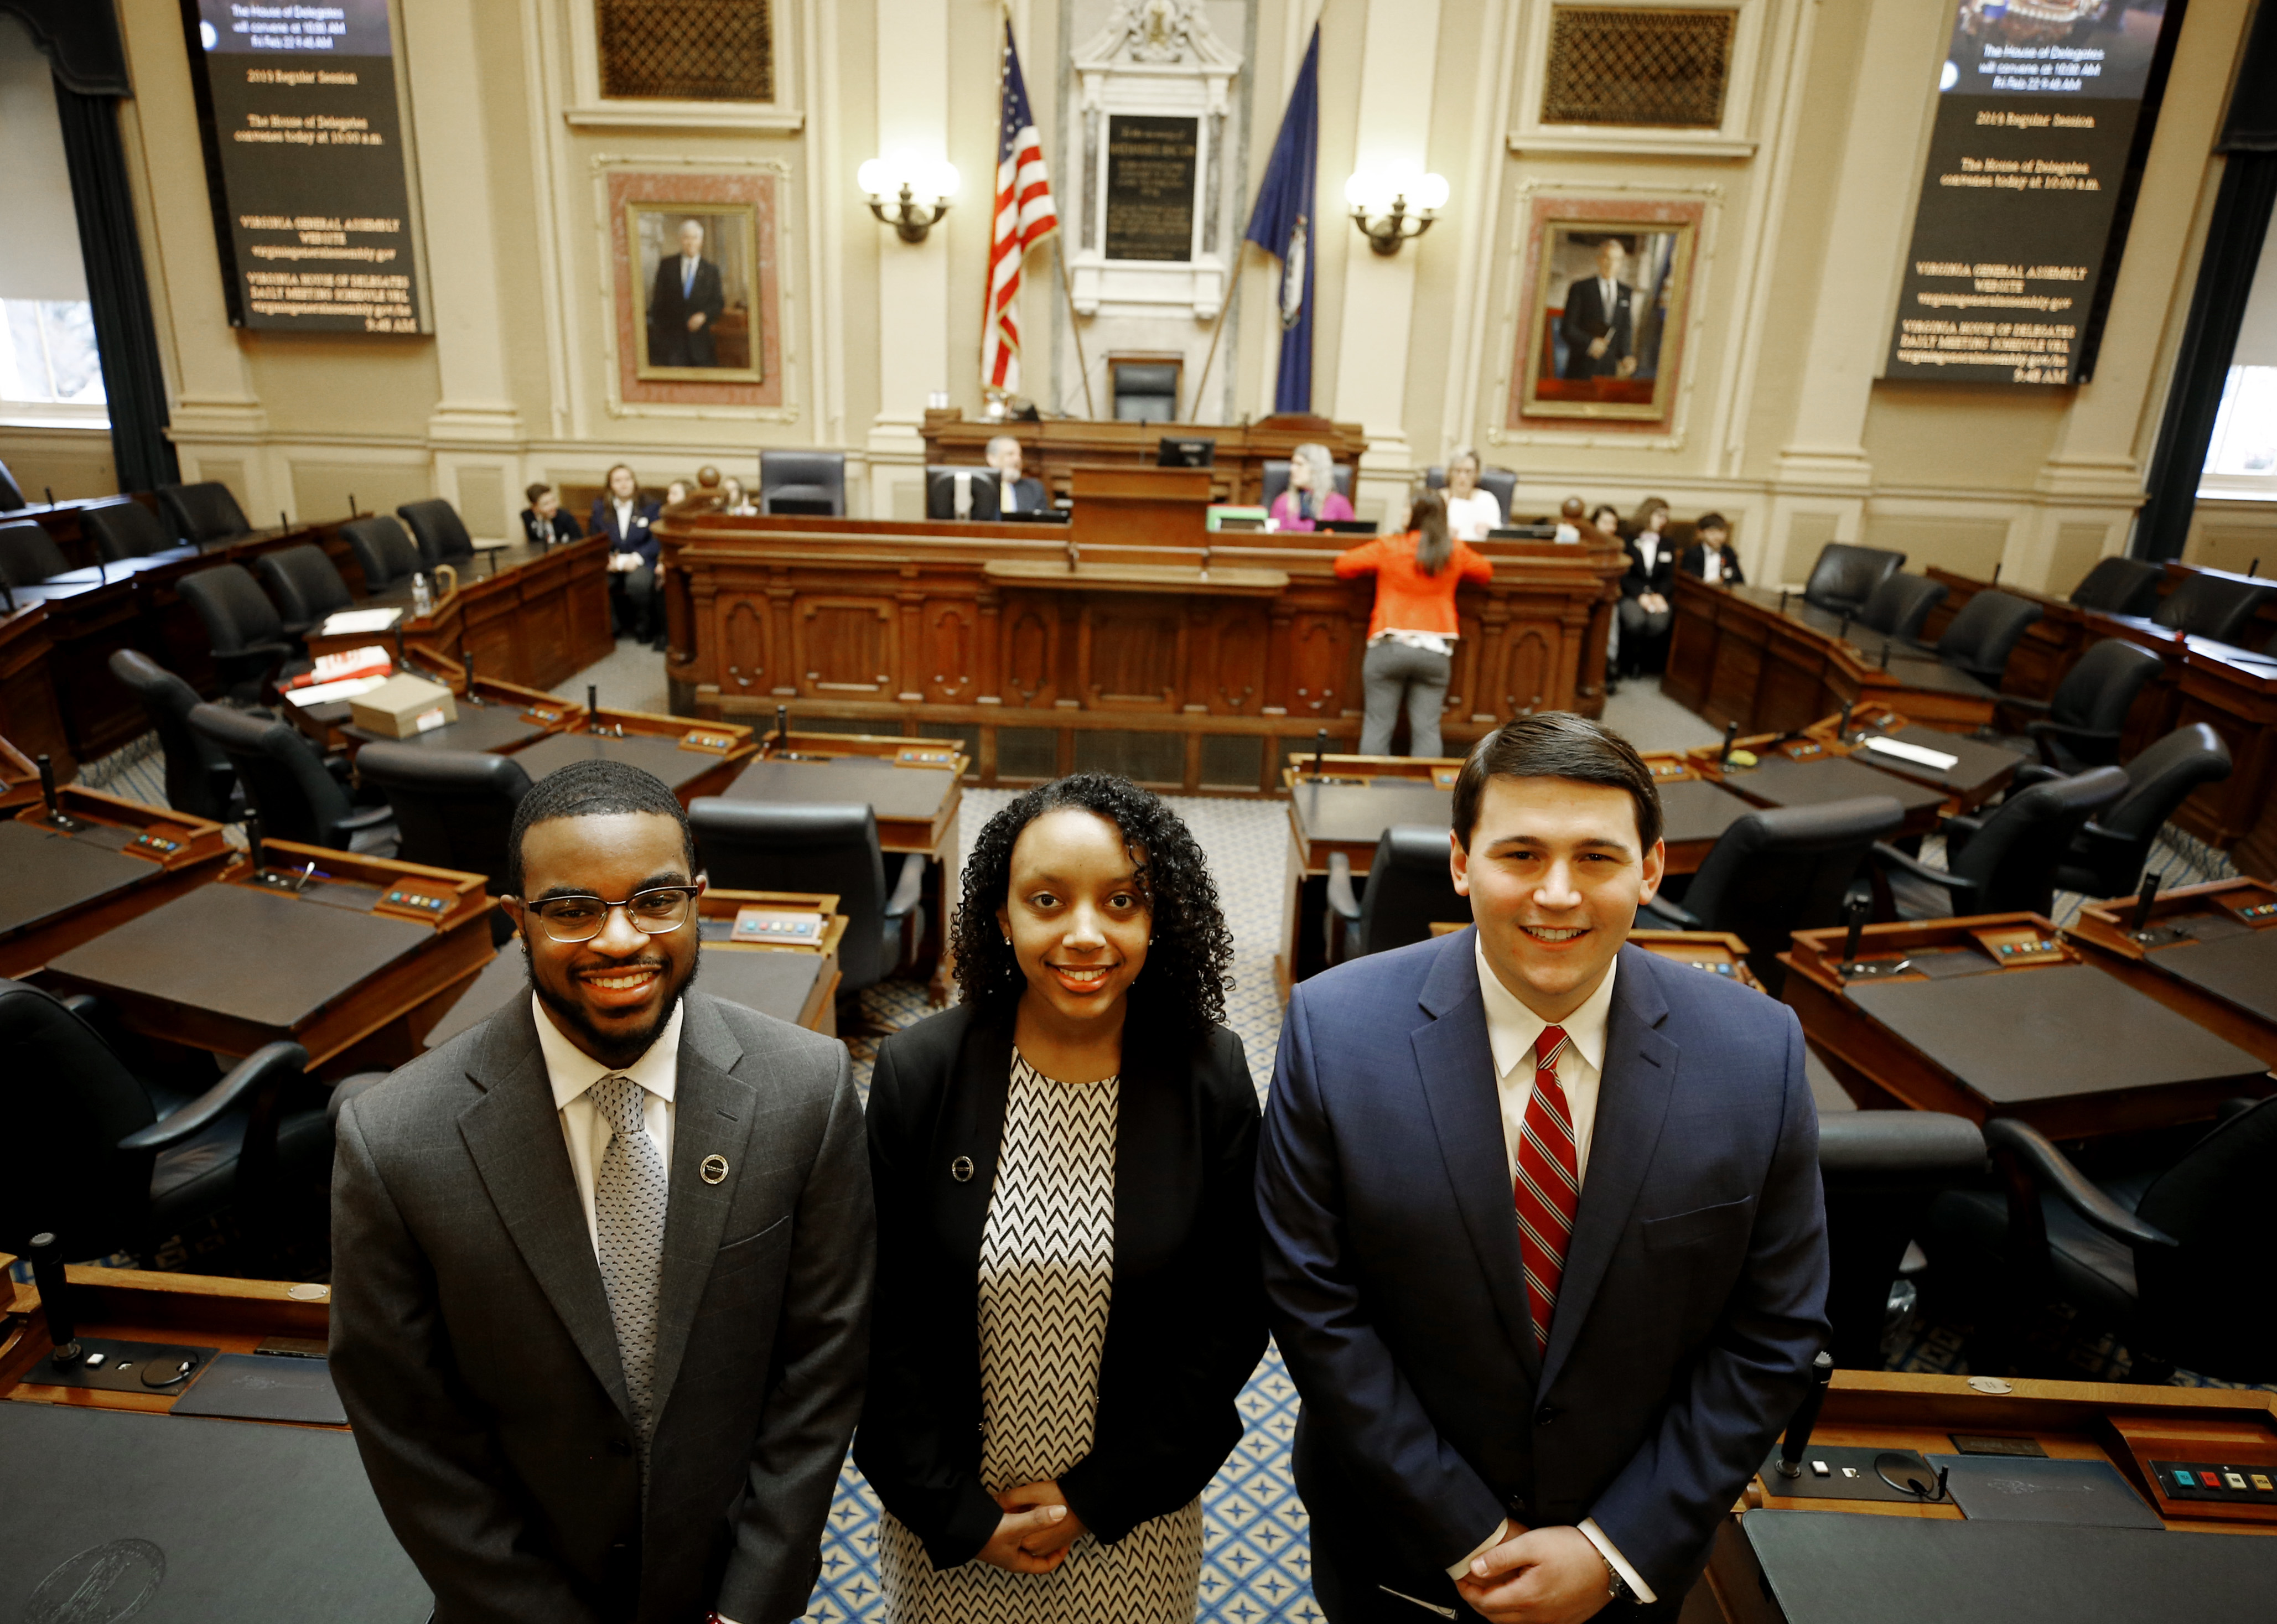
925, 755
708, 741
779, 927
411, 902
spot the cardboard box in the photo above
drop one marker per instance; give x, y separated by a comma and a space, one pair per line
404, 706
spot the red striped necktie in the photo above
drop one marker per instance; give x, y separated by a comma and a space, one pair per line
1548, 1187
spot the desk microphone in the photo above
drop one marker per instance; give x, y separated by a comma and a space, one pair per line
1858, 911
592, 707
1782, 601
56, 817
1731, 733
1842, 728
352, 510
782, 727
55, 1295
467, 664
1843, 636
1075, 558
252, 845
50, 492
1796, 1444
1996, 572
1320, 751
1885, 653
283, 523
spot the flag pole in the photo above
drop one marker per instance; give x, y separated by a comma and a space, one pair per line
1074, 332
1201, 380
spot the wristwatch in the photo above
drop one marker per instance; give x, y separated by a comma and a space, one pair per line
1616, 1589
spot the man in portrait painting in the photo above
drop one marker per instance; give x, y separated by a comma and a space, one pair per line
1598, 324
684, 304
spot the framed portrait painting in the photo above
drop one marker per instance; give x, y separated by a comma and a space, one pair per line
695, 290
1603, 312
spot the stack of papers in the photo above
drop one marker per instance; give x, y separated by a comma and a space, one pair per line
1936, 759
348, 621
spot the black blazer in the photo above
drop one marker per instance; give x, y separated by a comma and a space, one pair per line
1695, 562
1585, 317
1187, 1323
1661, 578
670, 344
544, 533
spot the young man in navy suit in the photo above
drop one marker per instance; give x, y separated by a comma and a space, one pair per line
1544, 1230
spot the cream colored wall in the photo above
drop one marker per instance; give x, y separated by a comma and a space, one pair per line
1783, 423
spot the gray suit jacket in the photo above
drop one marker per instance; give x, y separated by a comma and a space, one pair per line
473, 1346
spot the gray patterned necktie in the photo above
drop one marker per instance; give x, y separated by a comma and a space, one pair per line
628, 1203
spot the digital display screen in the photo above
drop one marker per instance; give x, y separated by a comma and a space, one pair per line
305, 165
2045, 110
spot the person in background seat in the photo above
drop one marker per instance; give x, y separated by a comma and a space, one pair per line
1312, 498
1711, 556
620, 514
543, 522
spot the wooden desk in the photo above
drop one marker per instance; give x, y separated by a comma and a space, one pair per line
693, 760
2234, 690
2065, 1046
799, 985
1735, 654
1190, 662
338, 968
1347, 807
1900, 1563
31, 710
914, 786
59, 889
1051, 451
1716, 952
2219, 968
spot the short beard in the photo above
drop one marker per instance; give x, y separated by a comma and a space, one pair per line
614, 1053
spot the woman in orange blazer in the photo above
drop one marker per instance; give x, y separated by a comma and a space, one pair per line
1411, 637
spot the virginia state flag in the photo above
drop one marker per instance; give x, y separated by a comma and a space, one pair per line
1283, 224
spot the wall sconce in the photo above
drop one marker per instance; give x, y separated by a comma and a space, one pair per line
1393, 205
909, 194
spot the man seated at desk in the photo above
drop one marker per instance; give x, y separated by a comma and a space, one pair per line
543, 522
1015, 492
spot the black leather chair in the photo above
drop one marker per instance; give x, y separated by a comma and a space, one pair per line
441, 535
288, 783
11, 494
1408, 890
1880, 1170
306, 586
1845, 574
125, 530
1979, 640
2004, 863
1901, 604
754, 846
113, 1161
199, 778
1502, 482
249, 640
204, 514
2172, 1257
2081, 726
453, 809
1274, 479
384, 551
30, 555
2221, 607
1775, 870
805, 476
2107, 858
1146, 391
2119, 586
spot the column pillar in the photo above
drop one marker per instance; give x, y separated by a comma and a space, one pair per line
913, 278
1394, 127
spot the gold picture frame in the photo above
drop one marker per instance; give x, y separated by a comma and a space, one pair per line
1582, 357
728, 345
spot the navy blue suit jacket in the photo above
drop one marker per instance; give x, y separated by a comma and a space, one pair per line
639, 539
1694, 1291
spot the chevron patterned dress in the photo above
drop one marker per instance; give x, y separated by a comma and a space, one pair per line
1046, 1277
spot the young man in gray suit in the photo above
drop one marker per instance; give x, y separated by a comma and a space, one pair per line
602, 1265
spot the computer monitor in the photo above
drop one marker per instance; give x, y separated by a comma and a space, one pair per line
1174, 453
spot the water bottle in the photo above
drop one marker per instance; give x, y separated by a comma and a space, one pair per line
422, 599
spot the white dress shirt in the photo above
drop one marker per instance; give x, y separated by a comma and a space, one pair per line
1712, 564
587, 1133
1513, 1030
1470, 517
1648, 550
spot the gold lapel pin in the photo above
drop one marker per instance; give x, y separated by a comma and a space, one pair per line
713, 1169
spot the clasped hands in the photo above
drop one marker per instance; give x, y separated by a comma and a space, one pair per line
1550, 1575
1037, 1529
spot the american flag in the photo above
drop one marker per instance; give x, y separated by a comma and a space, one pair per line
1024, 216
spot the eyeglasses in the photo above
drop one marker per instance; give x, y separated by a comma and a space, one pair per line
656, 911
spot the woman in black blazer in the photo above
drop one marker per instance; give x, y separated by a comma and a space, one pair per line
1069, 1298
1644, 611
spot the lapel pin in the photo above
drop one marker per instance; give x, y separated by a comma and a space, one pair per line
960, 1169
713, 1169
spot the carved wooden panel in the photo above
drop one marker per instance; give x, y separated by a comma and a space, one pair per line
742, 642
540, 641
1131, 654
1321, 665
1529, 666
1032, 651
1233, 663
950, 646
848, 647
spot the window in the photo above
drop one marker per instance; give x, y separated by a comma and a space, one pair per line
2242, 461
698, 51
50, 368
47, 354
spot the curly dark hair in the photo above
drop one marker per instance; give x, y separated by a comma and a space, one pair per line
1181, 991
